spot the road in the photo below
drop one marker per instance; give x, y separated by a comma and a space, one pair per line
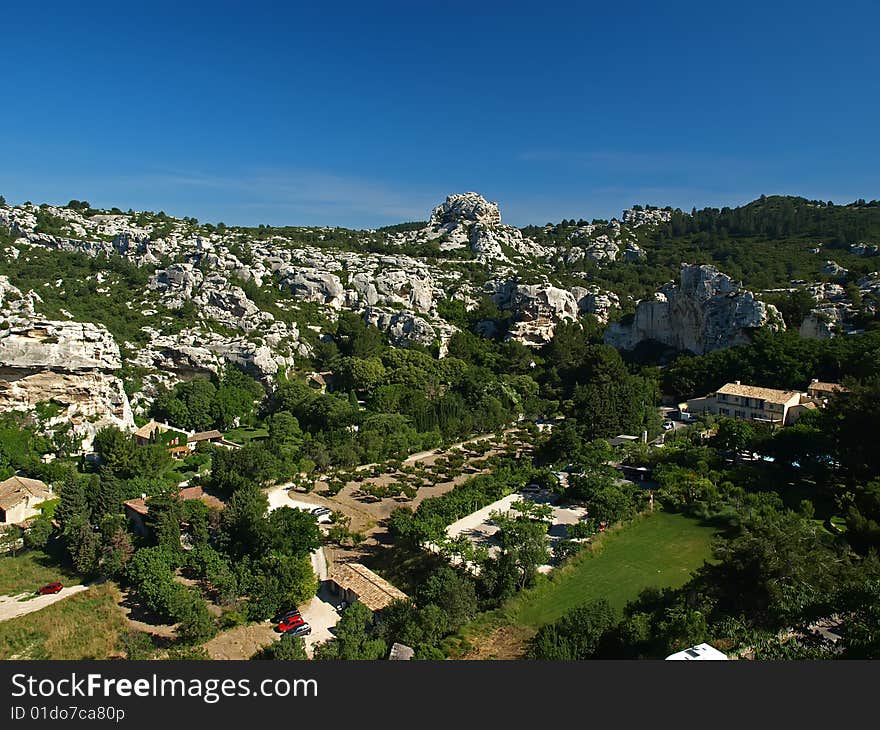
320, 613
13, 606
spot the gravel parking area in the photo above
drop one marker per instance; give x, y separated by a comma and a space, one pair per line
322, 616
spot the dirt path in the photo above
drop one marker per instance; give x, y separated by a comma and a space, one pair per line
15, 606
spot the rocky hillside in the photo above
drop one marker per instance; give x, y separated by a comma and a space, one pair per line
95, 300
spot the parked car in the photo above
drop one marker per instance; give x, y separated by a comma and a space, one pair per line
341, 606
279, 617
303, 630
49, 589
668, 425
321, 511
291, 622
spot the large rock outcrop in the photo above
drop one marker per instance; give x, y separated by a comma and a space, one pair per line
706, 311
537, 309
460, 207
468, 219
73, 365
405, 327
595, 301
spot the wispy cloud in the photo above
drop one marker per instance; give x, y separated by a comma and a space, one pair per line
294, 196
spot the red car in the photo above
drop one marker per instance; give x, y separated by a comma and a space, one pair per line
290, 623
49, 589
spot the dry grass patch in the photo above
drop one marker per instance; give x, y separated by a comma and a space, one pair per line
85, 626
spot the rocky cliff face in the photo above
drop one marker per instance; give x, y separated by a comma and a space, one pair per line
706, 311
71, 364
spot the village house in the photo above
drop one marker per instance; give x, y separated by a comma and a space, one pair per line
355, 582
150, 432
749, 402
19, 499
180, 443
764, 405
819, 391
320, 381
137, 509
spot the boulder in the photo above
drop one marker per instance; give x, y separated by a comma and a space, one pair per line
595, 301
405, 327
315, 286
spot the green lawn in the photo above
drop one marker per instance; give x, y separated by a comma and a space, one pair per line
29, 570
659, 550
245, 434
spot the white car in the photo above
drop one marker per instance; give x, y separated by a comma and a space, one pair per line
668, 425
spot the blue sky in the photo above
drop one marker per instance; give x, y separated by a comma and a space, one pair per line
364, 114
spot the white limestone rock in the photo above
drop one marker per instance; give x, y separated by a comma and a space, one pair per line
460, 207
706, 311
537, 309
315, 286
405, 327
832, 268
595, 301
37, 343
825, 321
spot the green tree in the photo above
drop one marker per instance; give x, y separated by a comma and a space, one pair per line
293, 531
354, 637
116, 449
39, 532
287, 648
243, 524
577, 635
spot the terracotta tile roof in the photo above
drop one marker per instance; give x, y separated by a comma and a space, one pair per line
751, 391
372, 590
137, 505
148, 429
826, 387
205, 436
15, 490
140, 506
198, 493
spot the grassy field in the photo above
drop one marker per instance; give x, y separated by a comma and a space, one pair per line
29, 570
85, 626
656, 551
245, 434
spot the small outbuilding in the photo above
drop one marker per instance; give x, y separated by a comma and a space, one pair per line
20, 497
355, 582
